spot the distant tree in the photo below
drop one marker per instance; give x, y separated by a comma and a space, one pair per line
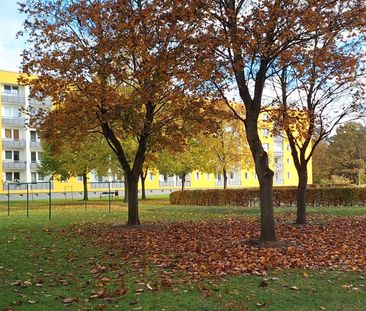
322, 164
347, 151
228, 148
195, 156
121, 68
70, 160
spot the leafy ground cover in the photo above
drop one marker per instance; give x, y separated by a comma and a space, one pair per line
87, 260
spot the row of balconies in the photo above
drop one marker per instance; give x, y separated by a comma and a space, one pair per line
19, 144
20, 100
19, 165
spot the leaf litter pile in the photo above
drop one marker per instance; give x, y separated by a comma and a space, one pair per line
220, 247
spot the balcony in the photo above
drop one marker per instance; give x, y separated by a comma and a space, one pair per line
12, 99
34, 165
13, 121
23, 186
105, 185
14, 165
15, 144
46, 103
278, 153
168, 183
230, 182
35, 143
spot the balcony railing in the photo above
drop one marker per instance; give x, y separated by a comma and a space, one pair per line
13, 121
12, 99
23, 186
35, 143
17, 144
14, 165
168, 183
46, 103
187, 183
230, 182
105, 185
34, 165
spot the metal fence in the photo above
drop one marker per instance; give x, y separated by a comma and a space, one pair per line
28, 193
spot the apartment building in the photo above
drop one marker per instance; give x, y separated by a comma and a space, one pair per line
21, 153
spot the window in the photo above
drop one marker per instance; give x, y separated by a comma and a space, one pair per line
79, 178
151, 176
265, 147
265, 117
33, 156
8, 176
41, 177
288, 147
11, 90
16, 176
34, 177
197, 175
8, 155
10, 112
16, 155
288, 161
8, 134
39, 156
33, 136
288, 175
12, 134
246, 175
208, 176
255, 176
265, 132
231, 175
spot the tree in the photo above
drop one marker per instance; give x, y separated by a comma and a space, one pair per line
246, 39
65, 160
322, 164
347, 151
228, 147
181, 162
121, 68
320, 88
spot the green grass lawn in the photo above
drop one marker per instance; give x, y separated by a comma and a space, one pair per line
45, 266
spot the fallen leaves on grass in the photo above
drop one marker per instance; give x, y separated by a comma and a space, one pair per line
219, 247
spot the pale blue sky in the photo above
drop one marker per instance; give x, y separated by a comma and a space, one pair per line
10, 23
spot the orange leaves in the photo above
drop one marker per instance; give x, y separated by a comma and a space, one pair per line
216, 248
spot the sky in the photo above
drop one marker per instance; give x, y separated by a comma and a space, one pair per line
10, 48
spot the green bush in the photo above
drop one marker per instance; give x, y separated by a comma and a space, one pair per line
283, 196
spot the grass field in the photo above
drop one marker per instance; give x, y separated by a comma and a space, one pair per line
46, 265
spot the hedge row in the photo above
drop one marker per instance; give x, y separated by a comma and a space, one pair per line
346, 196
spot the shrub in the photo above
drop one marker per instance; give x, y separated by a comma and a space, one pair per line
283, 196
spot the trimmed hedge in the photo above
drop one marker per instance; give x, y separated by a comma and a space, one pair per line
284, 196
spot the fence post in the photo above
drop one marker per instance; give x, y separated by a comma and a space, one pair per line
109, 196
8, 200
49, 200
27, 200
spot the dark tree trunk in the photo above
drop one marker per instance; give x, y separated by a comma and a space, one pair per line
133, 211
143, 179
85, 186
265, 178
183, 180
301, 195
224, 173
125, 197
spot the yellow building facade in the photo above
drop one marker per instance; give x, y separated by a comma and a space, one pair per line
21, 153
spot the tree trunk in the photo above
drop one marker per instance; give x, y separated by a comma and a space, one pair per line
224, 173
265, 178
85, 186
143, 191
125, 197
301, 195
133, 212
183, 180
